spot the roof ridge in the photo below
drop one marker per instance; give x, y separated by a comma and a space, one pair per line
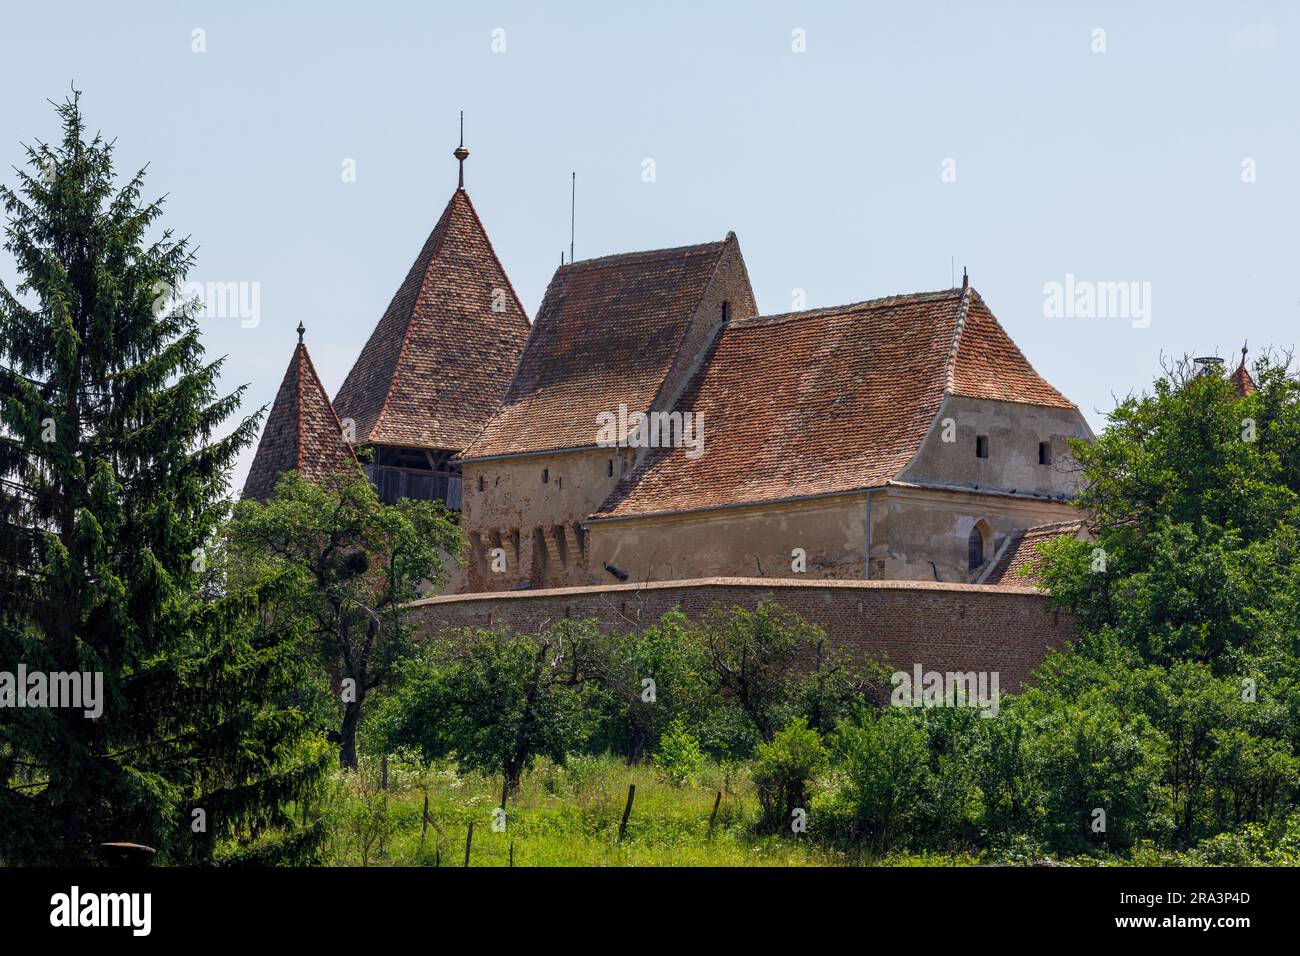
299, 351
903, 298
687, 327
495, 258
1053, 524
950, 366
439, 234
619, 258
311, 367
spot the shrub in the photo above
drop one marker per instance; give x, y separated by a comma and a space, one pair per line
679, 757
883, 761
785, 768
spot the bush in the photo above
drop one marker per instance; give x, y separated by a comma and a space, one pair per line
679, 757
883, 761
784, 770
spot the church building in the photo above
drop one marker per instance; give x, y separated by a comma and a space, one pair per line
652, 425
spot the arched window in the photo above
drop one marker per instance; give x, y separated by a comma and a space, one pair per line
976, 545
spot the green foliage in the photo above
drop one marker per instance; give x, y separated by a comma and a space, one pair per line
642, 682
679, 757
348, 564
114, 488
771, 664
494, 702
882, 769
785, 769
1198, 523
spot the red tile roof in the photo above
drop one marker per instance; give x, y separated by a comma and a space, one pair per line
1022, 551
302, 433
442, 355
828, 401
1241, 380
607, 333
989, 365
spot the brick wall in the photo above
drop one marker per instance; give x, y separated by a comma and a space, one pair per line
944, 627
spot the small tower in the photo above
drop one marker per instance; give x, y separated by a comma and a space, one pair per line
1241, 379
438, 362
302, 433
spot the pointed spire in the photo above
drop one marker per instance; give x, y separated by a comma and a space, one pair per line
302, 433
460, 152
301, 329
965, 279
1241, 379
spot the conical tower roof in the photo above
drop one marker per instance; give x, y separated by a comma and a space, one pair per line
302, 433
440, 359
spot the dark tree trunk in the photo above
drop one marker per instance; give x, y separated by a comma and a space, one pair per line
348, 736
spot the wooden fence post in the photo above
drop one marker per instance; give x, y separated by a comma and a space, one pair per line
469, 838
627, 811
714, 815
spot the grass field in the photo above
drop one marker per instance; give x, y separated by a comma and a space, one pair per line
566, 816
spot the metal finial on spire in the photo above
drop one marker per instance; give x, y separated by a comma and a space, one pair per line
301, 329
1243, 353
965, 279
461, 153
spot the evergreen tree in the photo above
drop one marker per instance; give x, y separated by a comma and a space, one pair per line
113, 487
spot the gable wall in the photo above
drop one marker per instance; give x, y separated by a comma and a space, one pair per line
1014, 432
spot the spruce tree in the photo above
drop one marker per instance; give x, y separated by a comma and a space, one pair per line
113, 487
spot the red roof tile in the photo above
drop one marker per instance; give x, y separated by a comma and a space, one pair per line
441, 357
1241, 380
828, 401
989, 365
607, 333
1022, 551
302, 433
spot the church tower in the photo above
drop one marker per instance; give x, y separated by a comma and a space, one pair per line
439, 361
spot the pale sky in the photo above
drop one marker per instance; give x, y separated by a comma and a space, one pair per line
1169, 158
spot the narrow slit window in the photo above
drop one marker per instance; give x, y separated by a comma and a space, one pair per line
975, 547
1044, 453
546, 476
981, 446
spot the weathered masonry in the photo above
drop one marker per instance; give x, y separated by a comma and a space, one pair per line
942, 626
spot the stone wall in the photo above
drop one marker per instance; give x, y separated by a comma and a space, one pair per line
943, 627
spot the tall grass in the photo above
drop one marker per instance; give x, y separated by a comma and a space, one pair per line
561, 816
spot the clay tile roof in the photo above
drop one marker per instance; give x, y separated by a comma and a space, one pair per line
1022, 551
990, 366
1242, 382
302, 433
607, 333
828, 401
442, 355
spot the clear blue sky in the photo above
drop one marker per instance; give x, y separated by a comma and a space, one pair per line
1117, 166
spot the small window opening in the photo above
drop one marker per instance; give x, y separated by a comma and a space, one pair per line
1044, 453
726, 312
609, 468
981, 446
975, 546
546, 476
